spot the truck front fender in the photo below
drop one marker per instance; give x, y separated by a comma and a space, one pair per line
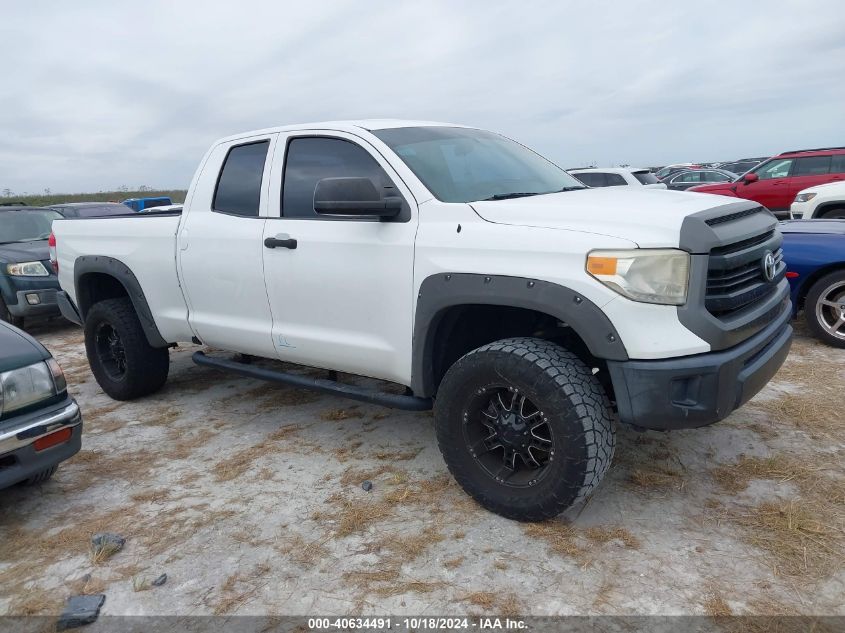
438, 293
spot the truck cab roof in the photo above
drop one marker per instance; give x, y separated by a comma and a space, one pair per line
352, 125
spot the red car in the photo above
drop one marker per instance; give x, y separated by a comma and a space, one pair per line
774, 183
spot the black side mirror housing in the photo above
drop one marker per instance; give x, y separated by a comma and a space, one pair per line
354, 197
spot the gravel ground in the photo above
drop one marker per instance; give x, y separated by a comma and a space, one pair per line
248, 496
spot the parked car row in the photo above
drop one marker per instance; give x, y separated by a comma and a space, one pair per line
776, 183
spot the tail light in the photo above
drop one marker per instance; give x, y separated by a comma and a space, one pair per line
54, 260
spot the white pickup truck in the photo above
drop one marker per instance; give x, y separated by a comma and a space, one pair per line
530, 311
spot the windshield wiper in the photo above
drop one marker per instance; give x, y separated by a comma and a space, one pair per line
575, 188
508, 196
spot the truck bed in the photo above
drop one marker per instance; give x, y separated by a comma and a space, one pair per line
146, 244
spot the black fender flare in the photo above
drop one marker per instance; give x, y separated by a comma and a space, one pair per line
116, 269
442, 291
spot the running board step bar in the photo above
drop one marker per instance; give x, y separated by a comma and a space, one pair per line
394, 401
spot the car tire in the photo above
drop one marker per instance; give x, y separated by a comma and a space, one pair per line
834, 214
125, 365
824, 309
7, 316
40, 477
542, 396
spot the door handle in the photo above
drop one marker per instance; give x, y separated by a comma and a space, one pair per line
282, 241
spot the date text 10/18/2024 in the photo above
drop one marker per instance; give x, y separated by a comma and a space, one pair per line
415, 624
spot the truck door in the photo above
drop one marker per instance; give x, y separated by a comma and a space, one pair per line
340, 288
220, 248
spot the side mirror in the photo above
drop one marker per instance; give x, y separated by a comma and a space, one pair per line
749, 178
354, 197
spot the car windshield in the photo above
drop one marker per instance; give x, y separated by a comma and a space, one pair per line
26, 226
466, 165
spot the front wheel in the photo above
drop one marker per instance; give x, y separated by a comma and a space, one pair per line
824, 309
125, 365
41, 476
835, 214
525, 428
7, 316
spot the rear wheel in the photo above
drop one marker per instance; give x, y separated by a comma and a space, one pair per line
7, 316
525, 427
824, 309
125, 365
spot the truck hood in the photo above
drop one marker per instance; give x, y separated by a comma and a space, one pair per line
24, 252
651, 218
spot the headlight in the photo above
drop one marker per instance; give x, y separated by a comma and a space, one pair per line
25, 386
27, 269
804, 197
659, 275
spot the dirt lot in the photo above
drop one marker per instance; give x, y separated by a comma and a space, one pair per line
249, 497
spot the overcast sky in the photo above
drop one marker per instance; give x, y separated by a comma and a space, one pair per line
102, 94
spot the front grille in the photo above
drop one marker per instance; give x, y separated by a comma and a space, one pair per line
736, 279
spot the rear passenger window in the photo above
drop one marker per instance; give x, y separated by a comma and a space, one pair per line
239, 186
690, 176
614, 180
812, 166
837, 164
310, 159
591, 179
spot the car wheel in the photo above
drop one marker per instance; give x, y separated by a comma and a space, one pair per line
40, 477
834, 214
125, 365
7, 316
524, 427
824, 309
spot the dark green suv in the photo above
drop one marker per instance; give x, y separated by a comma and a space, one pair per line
28, 283
40, 424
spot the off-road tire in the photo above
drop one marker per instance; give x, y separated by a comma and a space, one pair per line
40, 477
146, 367
570, 396
8, 317
812, 300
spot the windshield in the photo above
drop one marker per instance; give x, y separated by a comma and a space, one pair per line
465, 165
26, 226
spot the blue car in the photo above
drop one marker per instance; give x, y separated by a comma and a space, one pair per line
814, 252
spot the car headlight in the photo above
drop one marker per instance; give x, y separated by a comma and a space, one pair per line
22, 387
804, 197
659, 275
27, 269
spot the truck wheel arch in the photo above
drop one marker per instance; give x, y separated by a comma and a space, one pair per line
98, 277
440, 294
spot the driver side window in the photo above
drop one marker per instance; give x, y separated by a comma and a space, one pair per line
774, 169
310, 159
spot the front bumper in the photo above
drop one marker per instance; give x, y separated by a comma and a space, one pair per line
18, 458
694, 391
15, 290
46, 303
800, 211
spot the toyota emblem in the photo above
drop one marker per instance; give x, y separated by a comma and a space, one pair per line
769, 266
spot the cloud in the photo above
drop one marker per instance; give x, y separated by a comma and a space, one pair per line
103, 94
